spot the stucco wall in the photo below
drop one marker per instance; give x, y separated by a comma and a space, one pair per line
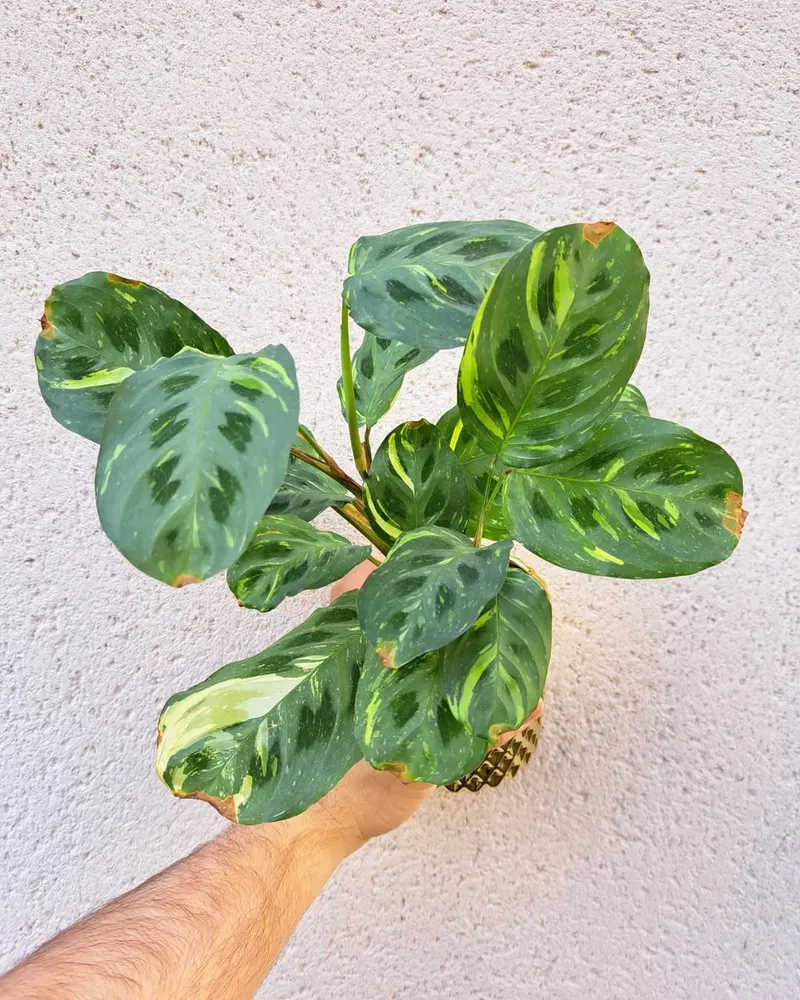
230, 153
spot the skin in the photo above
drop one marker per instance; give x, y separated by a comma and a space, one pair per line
211, 926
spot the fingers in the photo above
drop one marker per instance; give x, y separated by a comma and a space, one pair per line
353, 580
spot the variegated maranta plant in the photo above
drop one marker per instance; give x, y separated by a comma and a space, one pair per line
203, 467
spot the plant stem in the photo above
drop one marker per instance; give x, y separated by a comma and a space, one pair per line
367, 447
488, 499
306, 434
348, 391
374, 561
330, 468
353, 516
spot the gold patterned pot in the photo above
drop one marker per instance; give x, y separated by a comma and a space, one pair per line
503, 761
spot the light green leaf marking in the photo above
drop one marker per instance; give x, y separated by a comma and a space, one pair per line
643, 498
404, 723
264, 738
554, 344
415, 480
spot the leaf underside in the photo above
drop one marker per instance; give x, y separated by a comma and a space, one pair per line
266, 737
422, 285
193, 451
99, 329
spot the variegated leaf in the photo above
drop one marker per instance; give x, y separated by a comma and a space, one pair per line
478, 468
554, 343
306, 491
644, 498
193, 451
404, 724
379, 367
429, 590
264, 738
99, 329
631, 399
423, 284
415, 480
286, 556
494, 673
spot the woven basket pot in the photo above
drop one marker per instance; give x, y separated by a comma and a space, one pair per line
501, 762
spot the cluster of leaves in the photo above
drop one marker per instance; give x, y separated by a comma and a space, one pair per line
203, 467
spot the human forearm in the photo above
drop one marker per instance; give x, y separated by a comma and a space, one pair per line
208, 927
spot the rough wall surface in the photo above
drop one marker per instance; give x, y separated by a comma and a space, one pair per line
230, 152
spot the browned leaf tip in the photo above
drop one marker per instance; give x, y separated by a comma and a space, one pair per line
596, 231
119, 280
48, 330
225, 807
183, 579
386, 654
734, 515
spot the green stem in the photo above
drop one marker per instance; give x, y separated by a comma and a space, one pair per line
367, 447
349, 393
488, 499
374, 561
306, 434
353, 516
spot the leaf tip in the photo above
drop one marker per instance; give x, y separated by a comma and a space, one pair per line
48, 330
225, 807
734, 515
594, 232
117, 279
184, 579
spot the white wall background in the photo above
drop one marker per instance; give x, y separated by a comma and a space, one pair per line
230, 152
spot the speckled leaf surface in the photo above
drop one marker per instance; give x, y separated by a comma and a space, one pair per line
414, 480
306, 492
99, 329
423, 284
379, 367
429, 590
494, 673
286, 556
631, 399
477, 466
193, 451
404, 723
644, 498
554, 343
264, 738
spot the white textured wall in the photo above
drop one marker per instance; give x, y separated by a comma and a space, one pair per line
230, 152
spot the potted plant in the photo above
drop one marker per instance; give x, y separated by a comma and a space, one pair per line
203, 468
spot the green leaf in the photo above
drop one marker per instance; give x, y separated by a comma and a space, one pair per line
99, 329
554, 344
494, 673
264, 738
286, 556
423, 284
477, 466
379, 367
193, 451
429, 590
644, 498
632, 400
404, 724
415, 480
306, 491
